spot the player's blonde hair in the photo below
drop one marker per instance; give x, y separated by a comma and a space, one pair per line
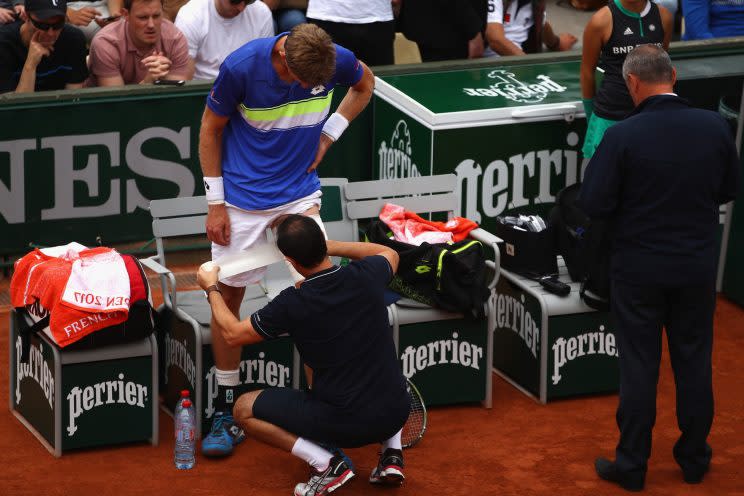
310, 54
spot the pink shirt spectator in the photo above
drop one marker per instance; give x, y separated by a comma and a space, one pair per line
112, 53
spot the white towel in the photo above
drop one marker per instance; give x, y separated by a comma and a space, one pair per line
98, 283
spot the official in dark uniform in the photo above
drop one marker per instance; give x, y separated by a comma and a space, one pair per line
660, 176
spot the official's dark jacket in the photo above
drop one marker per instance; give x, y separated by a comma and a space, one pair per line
660, 176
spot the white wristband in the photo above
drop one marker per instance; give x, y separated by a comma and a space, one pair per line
335, 126
214, 189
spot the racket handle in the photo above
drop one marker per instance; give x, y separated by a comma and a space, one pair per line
554, 286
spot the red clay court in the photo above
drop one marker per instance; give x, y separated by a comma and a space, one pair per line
518, 448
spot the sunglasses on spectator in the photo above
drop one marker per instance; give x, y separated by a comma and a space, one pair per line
238, 2
46, 26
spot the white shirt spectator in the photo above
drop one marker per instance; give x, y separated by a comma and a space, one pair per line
350, 12
212, 37
517, 21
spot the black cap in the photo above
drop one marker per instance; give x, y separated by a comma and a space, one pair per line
44, 9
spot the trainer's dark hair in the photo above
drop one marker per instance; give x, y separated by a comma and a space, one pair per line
299, 237
650, 63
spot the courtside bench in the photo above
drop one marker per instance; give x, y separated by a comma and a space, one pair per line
445, 354
549, 346
185, 335
84, 398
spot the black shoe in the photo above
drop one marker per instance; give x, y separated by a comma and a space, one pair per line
694, 468
389, 469
607, 470
694, 477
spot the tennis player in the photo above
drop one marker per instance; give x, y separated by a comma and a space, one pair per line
265, 129
338, 320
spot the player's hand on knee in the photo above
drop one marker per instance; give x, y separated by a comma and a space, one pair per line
218, 225
323, 145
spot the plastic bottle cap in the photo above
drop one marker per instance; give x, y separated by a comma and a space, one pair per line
186, 403
185, 393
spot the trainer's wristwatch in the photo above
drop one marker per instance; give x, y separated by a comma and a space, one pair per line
211, 288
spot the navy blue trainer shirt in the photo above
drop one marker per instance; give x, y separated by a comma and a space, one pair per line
339, 322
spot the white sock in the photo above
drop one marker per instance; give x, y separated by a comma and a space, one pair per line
313, 454
227, 377
393, 442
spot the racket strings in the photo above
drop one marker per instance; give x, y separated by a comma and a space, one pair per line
415, 426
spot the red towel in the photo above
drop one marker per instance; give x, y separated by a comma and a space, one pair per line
42, 278
410, 228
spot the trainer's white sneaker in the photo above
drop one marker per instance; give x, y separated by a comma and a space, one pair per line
389, 469
336, 475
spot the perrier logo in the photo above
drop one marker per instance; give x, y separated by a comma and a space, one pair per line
506, 85
395, 160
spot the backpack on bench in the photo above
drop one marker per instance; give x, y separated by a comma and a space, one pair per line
585, 246
447, 276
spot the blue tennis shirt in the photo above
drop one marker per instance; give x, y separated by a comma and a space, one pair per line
274, 128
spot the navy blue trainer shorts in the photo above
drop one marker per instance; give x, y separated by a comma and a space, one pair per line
304, 415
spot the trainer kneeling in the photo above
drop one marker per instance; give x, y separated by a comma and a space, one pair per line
339, 322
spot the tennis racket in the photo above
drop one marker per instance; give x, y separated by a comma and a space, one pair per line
415, 426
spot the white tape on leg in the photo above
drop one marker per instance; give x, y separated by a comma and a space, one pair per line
255, 258
319, 221
209, 265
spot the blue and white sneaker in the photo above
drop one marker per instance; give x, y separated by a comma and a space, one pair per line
336, 475
225, 434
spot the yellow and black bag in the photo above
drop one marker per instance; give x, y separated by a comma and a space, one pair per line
451, 276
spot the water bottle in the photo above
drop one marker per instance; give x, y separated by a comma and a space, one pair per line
179, 403
185, 449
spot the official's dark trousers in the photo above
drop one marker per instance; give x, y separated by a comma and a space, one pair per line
371, 43
640, 312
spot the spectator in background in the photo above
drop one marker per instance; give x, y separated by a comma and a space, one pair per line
612, 33
516, 27
671, 5
287, 13
706, 19
171, 8
366, 28
216, 28
444, 29
90, 16
11, 11
42, 53
141, 48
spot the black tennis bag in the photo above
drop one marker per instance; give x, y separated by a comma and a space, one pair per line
585, 246
447, 276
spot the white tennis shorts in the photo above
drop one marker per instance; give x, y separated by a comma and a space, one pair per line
248, 230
